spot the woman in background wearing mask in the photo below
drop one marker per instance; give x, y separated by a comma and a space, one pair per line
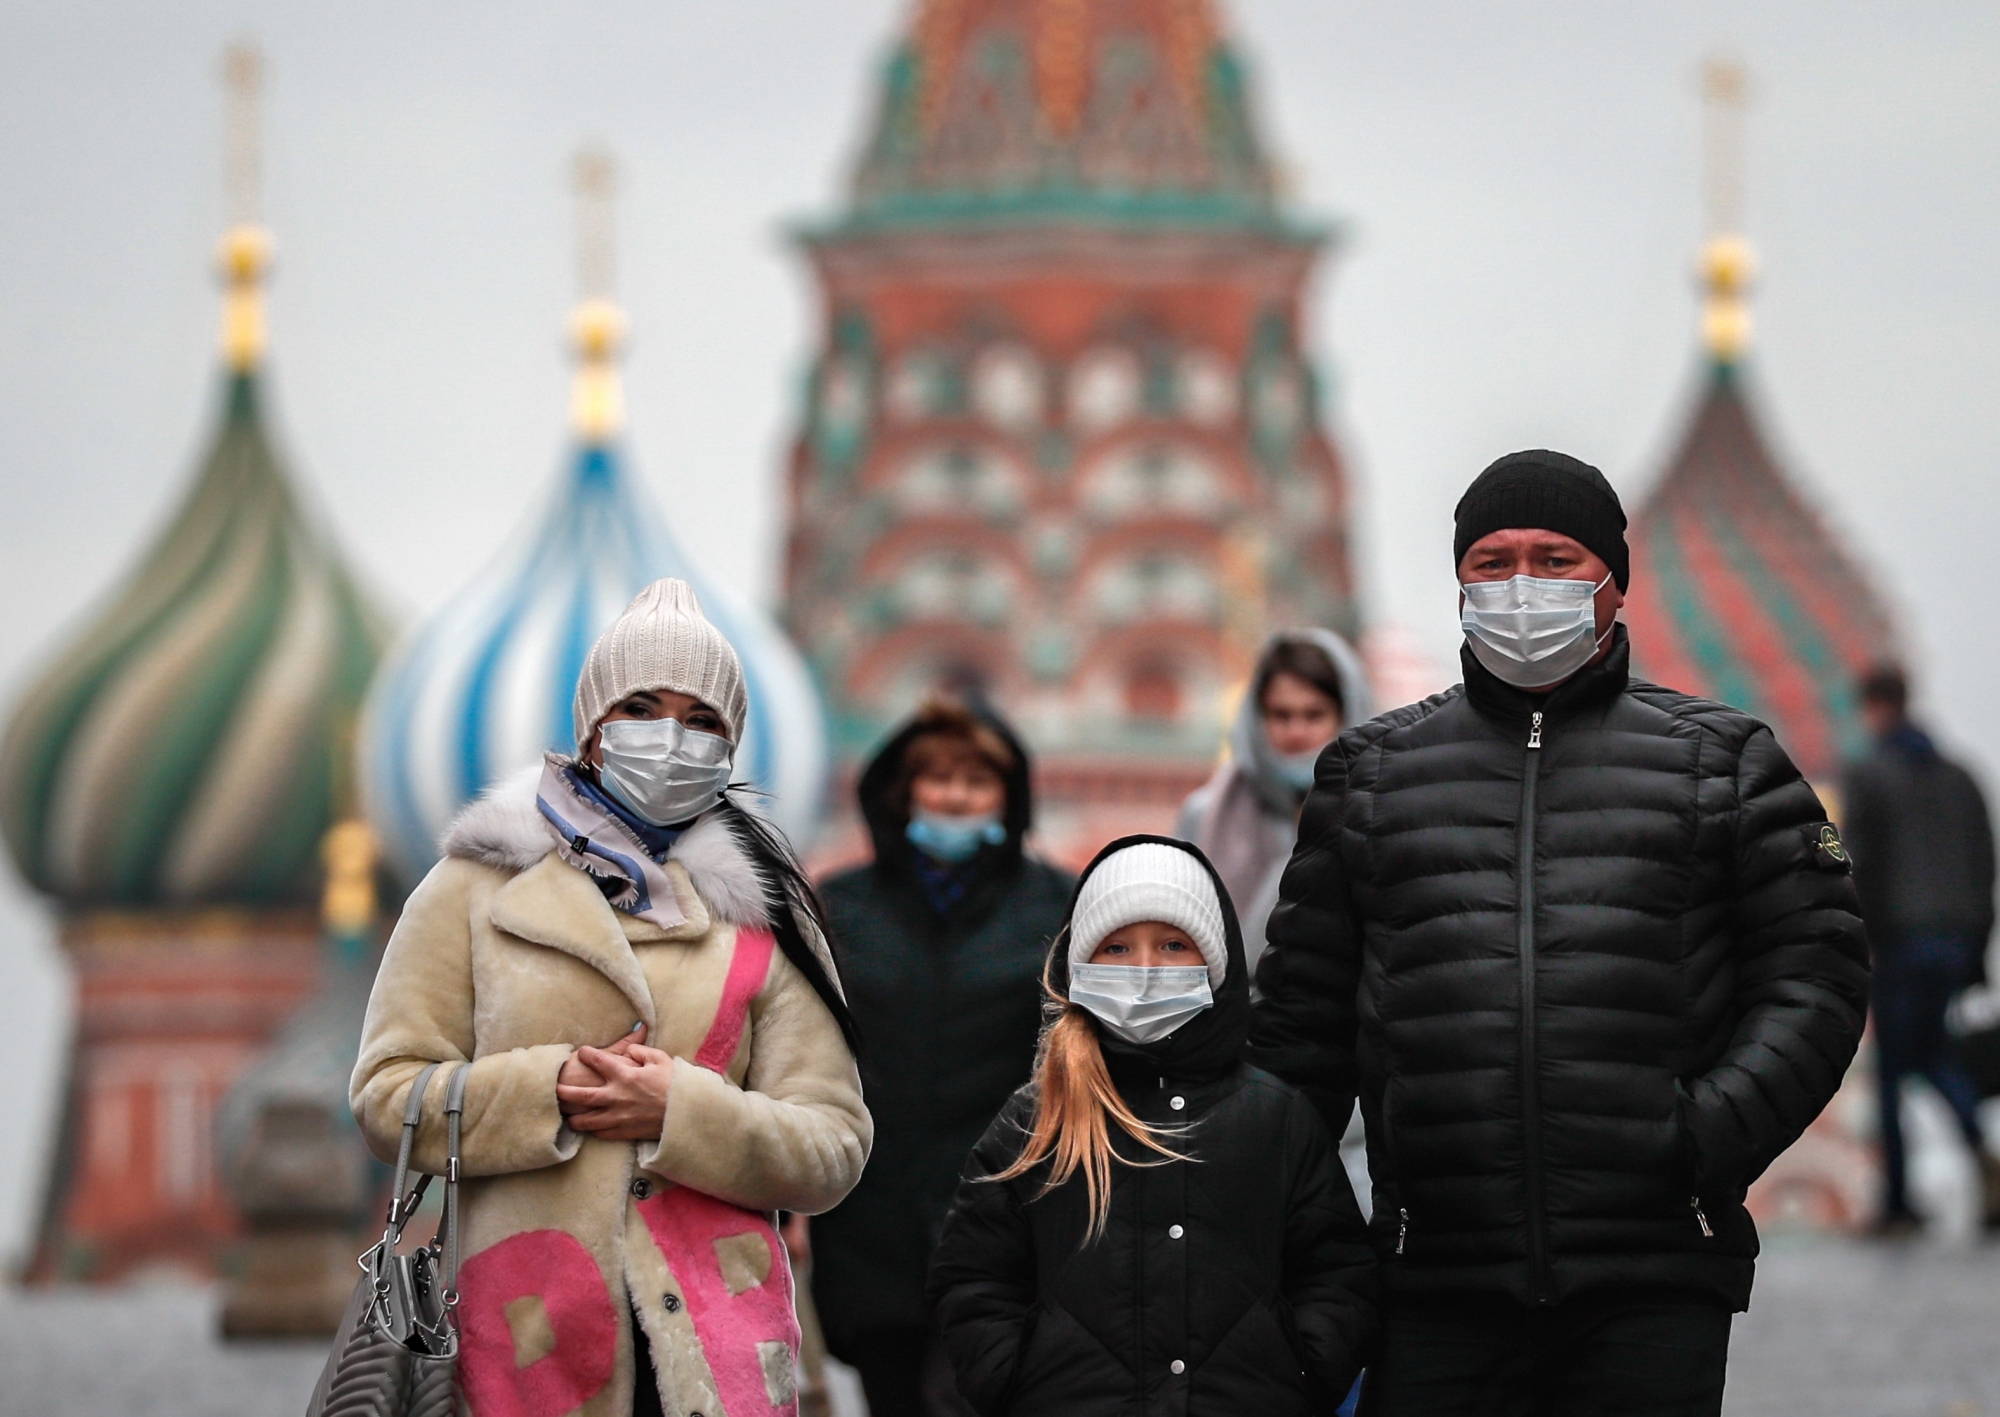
1153, 1226
631, 974
1307, 686
942, 938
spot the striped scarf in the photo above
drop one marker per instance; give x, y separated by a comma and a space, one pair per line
595, 840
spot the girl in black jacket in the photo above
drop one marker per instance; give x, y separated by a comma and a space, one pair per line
1152, 1225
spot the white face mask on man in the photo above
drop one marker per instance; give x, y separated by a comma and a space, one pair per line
1532, 632
661, 770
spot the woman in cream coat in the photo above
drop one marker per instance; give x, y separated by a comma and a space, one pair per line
635, 972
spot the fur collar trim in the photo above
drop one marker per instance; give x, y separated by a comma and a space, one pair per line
501, 828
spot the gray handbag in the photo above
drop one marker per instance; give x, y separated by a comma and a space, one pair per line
396, 1353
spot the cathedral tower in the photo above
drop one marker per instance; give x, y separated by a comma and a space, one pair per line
1063, 444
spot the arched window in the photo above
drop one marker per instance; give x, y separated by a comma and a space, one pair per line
952, 584
959, 478
1207, 387
1160, 478
1156, 585
1007, 387
1104, 389
924, 383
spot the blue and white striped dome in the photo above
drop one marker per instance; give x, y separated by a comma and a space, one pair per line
484, 688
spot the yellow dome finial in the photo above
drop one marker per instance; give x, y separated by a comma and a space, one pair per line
244, 256
1727, 264
597, 326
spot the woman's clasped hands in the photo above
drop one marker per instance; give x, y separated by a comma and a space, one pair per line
617, 1093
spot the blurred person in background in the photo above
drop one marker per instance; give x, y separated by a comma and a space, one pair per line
1588, 950
943, 936
633, 971
1307, 686
1917, 826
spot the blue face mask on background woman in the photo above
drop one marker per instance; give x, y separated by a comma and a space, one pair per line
953, 839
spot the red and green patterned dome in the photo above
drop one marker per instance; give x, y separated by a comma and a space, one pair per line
1740, 592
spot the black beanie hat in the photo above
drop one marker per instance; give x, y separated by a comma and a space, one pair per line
1552, 491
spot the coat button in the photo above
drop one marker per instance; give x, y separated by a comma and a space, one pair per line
672, 1303
642, 1188
1177, 1367
1177, 1103
1174, 1232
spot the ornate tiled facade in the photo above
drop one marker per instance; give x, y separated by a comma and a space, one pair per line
1063, 443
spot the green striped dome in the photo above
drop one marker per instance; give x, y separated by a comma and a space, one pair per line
194, 742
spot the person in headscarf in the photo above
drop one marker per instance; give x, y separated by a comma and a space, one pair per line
1308, 685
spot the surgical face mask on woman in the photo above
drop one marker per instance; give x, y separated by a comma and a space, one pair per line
661, 770
1136, 984
1532, 632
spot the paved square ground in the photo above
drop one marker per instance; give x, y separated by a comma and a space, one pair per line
1837, 1329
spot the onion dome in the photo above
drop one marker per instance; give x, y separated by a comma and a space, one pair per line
485, 687
1740, 592
191, 745
1095, 109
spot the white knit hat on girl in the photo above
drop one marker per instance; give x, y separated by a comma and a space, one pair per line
661, 641
1150, 880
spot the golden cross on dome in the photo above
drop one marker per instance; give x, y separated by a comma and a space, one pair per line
1727, 262
245, 253
597, 402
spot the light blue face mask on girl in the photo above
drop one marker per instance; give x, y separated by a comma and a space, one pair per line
953, 839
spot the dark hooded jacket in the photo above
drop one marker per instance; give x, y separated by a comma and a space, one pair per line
1922, 843
1592, 959
1237, 1282
948, 1005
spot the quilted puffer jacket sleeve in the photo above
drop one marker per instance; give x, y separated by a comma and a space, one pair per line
1304, 1027
982, 1279
1801, 979
1332, 1285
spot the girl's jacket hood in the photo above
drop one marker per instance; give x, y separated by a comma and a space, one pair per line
1207, 1045
1250, 748
887, 818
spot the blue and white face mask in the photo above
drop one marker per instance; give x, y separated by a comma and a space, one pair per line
953, 839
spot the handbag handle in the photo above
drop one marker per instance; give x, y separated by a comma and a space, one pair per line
454, 1109
401, 1209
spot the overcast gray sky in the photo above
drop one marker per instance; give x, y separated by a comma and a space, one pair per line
1518, 184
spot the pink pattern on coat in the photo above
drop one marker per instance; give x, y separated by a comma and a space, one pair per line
554, 1266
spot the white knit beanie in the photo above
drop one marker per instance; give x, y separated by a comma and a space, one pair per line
661, 641
1150, 881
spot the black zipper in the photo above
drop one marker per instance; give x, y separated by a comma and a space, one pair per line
1531, 1119
1402, 1228
1707, 1233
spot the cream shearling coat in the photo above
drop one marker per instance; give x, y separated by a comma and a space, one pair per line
508, 957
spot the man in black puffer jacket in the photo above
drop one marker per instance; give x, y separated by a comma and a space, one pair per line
1588, 951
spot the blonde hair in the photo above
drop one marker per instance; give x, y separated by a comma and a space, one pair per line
1075, 1104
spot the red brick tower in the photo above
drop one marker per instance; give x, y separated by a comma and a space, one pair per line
1063, 444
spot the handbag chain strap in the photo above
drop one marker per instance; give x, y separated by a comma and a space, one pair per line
454, 1109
